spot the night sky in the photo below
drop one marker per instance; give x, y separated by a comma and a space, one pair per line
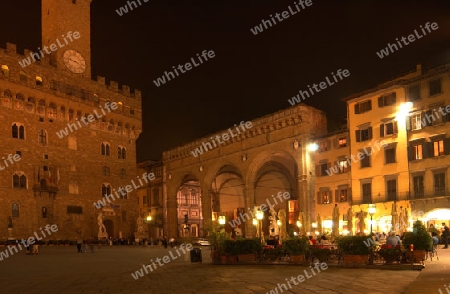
250, 75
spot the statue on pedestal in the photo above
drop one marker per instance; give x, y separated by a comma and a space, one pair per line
101, 227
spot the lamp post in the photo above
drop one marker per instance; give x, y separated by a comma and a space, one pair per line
222, 220
149, 219
299, 225
259, 217
372, 211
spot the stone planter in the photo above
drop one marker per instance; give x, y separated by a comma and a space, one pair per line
416, 256
223, 259
246, 257
297, 259
355, 259
232, 259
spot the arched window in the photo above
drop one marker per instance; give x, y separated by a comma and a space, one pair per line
111, 125
105, 149
71, 115
43, 137
72, 143
123, 193
39, 81
18, 131
5, 71
105, 171
15, 210
42, 102
122, 153
7, 93
79, 114
20, 97
31, 100
23, 76
19, 181
106, 189
73, 189
123, 173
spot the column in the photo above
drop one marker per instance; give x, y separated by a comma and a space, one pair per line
206, 211
249, 194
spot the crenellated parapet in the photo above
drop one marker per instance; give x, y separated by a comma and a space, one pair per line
41, 74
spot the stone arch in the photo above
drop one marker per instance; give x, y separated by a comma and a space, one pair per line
272, 174
185, 198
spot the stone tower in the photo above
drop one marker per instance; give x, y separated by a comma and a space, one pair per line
58, 19
71, 149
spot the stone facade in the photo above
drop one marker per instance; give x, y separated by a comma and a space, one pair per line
59, 177
247, 170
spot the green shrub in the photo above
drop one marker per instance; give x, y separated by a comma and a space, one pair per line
419, 237
296, 246
248, 246
354, 245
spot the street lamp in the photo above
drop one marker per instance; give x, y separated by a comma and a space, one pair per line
259, 217
372, 211
299, 225
149, 219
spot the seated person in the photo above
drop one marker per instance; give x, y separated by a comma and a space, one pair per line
392, 239
312, 241
435, 238
323, 240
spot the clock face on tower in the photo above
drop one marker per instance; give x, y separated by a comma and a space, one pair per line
74, 61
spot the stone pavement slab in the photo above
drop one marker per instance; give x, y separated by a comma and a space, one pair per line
109, 269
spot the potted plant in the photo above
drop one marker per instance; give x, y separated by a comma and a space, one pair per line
297, 248
321, 254
231, 251
354, 249
247, 248
421, 241
390, 253
217, 247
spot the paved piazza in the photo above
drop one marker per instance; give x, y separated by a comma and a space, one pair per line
108, 270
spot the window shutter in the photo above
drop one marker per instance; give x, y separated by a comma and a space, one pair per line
336, 142
446, 146
349, 165
425, 153
393, 97
318, 174
328, 165
395, 126
423, 120
331, 196
429, 116
336, 196
408, 123
358, 135
410, 153
370, 133
319, 198
349, 195
380, 101
357, 108
370, 104
328, 145
381, 130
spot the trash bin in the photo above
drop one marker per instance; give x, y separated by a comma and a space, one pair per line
196, 255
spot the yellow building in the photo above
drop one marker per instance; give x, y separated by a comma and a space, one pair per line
429, 144
332, 179
378, 153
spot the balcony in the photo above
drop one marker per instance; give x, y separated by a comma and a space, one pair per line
51, 190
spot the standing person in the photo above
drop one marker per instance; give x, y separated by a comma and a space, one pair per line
172, 241
164, 242
445, 235
79, 243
